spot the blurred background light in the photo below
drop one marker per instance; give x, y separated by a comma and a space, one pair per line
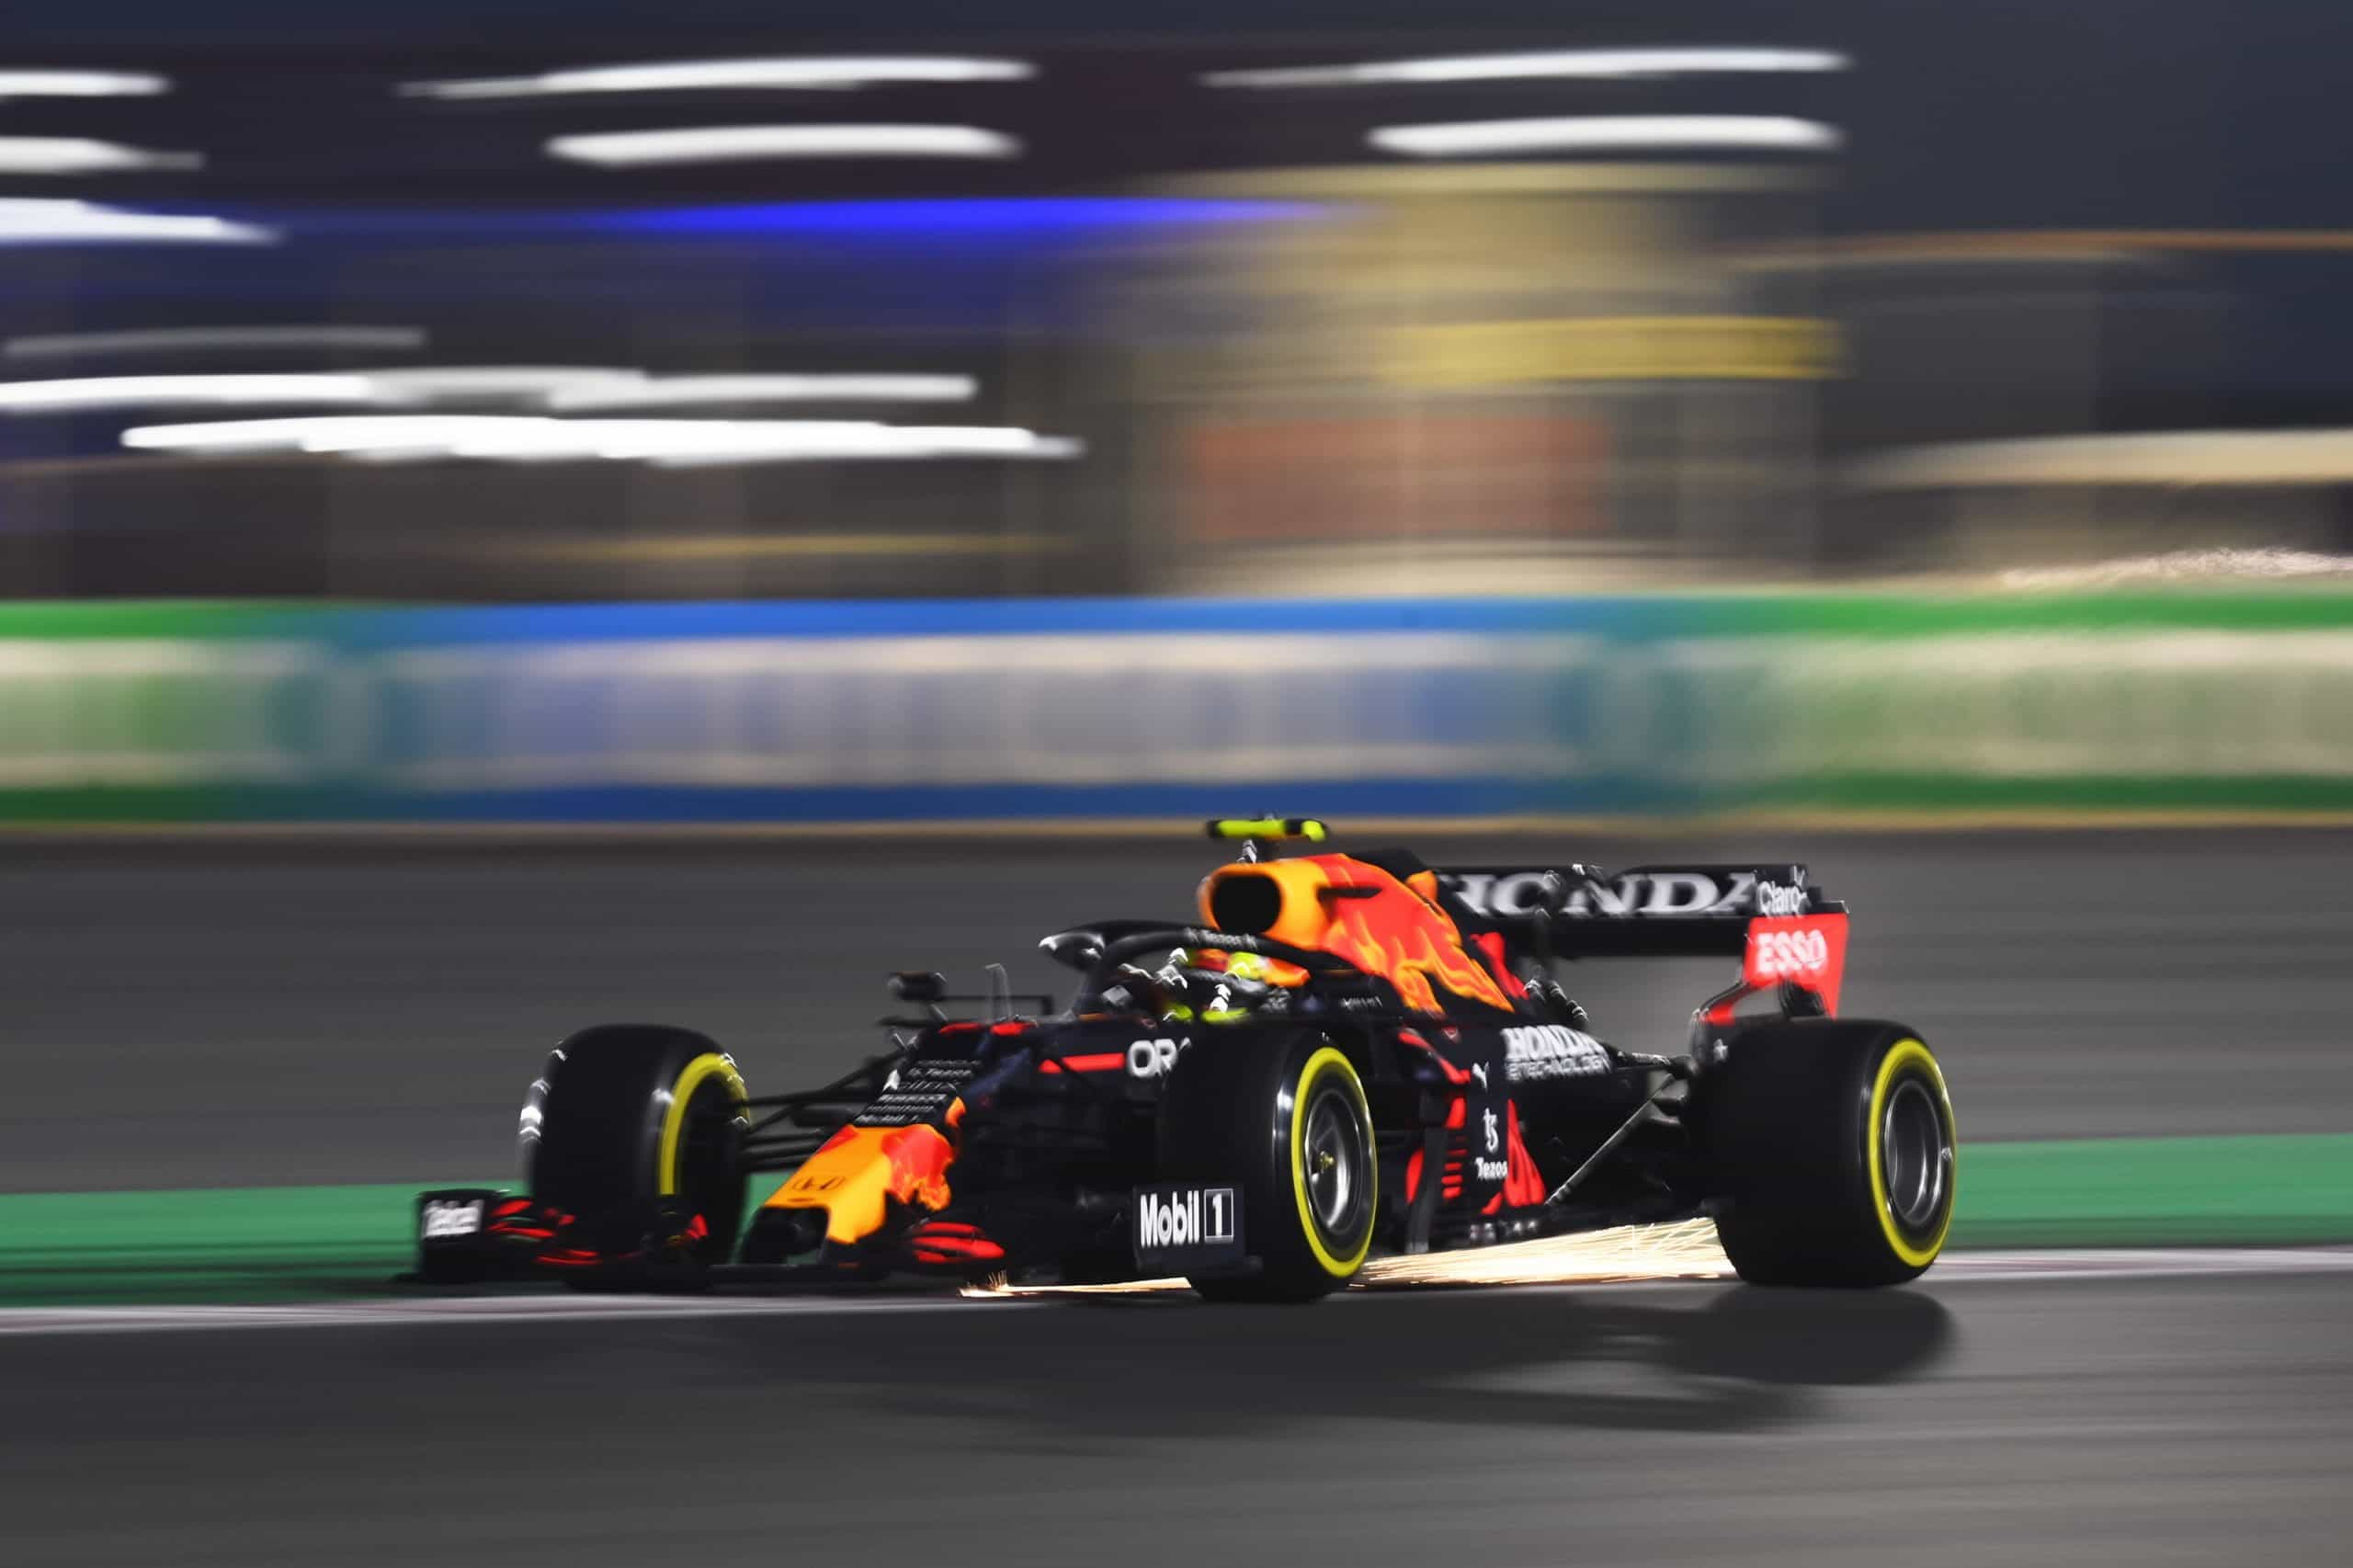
662, 441
553, 387
683, 390
1609, 133
789, 71
31, 220
963, 216
426, 382
82, 155
1588, 64
85, 393
2162, 459
1594, 311
205, 339
726, 144
20, 84
408, 385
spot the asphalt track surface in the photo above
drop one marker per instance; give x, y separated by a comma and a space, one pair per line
231, 1015
242, 1014
2054, 1421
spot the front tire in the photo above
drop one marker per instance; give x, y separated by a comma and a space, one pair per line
1287, 1122
632, 1124
1834, 1152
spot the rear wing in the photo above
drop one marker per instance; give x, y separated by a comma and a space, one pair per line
1774, 918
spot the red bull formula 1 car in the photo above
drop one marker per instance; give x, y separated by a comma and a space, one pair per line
1345, 1053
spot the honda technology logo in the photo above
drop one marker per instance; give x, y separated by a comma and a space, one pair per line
1186, 1217
1516, 895
1552, 1051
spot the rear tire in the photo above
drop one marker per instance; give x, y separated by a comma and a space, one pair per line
1286, 1122
631, 1122
1833, 1149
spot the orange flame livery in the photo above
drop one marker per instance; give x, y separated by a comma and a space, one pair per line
857, 1170
1384, 926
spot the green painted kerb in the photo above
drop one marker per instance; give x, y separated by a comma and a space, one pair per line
308, 1243
2144, 1191
273, 1244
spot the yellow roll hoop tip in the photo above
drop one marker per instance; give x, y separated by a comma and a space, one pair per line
1308, 828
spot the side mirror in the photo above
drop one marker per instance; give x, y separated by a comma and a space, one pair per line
914, 985
1551, 897
1078, 950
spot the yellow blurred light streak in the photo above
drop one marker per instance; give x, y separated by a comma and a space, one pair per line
1592, 348
1592, 64
1609, 133
2163, 459
731, 143
836, 73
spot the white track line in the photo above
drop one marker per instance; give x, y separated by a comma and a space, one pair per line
426, 1309
1960, 1267
2148, 1263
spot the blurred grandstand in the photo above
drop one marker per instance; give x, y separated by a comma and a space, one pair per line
1167, 305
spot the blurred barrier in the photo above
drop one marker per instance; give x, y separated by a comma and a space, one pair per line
817, 711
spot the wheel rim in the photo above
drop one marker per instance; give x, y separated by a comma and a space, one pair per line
707, 1179
1335, 1153
1915, 1158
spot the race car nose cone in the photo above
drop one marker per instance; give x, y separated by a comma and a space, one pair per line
785, 1235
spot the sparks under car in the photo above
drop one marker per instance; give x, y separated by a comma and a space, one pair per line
1343, 1054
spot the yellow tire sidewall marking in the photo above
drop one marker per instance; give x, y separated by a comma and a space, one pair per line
1325, 1059
1906, 1053
709, 1064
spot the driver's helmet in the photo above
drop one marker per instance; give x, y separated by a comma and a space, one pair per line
1255, 966
1187, 989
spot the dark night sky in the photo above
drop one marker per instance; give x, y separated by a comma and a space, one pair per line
1996, 113
2000, 114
